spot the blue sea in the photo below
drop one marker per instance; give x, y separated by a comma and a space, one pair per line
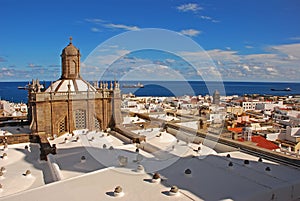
9, 90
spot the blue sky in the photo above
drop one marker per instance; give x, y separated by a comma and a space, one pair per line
248, 40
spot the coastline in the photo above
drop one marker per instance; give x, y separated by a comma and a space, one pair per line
9, 90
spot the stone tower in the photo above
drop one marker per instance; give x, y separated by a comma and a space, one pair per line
72, 103
70, 61
216, 97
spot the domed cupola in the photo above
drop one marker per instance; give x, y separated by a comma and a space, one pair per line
70, 50
70, 62
70, 80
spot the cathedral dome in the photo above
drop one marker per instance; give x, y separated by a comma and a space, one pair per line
70, 50
72, 85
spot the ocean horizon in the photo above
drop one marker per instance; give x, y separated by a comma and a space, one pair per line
9, 90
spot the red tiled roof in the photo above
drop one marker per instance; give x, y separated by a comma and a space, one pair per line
264, 143
241, 139
236, 130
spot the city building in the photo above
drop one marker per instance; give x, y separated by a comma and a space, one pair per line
5, 109
8, 109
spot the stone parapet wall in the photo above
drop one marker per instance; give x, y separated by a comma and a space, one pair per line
49, 96
19, 138
41, 139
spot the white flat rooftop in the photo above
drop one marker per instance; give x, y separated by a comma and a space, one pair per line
100, 185
17, 162
210, 178
133, 120
164, 117
213, 179
189, 124
69, 152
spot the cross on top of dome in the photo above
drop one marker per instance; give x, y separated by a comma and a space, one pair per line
71, 49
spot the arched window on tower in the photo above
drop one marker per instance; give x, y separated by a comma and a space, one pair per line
72, 68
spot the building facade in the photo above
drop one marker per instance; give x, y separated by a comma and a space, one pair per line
71, 103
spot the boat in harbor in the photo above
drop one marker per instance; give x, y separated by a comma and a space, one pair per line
285, 89
23, 87
138, 85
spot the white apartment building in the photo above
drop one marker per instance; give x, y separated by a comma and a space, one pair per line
250, 105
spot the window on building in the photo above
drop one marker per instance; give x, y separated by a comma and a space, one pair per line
80, 119
62, 125
97, 123
72, 67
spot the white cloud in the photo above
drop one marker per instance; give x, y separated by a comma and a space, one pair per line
279, 63
294, 38
94, 29
246, 67
270, 69
104, 23
259, 57
162, 67
122, 26
9, 74
103, 62
32, 65
6, 73
170, 60
190, 32
95, 20
205, 17
290, 50
224, 55
152, 72
189, 7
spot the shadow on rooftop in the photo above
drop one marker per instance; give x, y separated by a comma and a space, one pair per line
32, 156
220, 177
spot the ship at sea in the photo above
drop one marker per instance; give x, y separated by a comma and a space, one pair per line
138, 85
285, 89
23, 87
